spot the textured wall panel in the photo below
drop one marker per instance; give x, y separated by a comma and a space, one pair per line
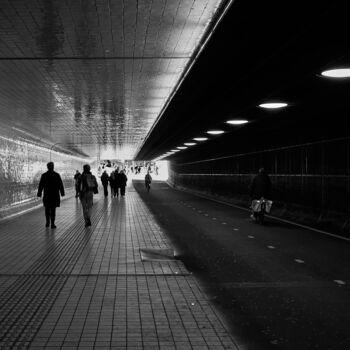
21, 165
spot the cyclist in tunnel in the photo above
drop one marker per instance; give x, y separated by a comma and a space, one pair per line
260, 186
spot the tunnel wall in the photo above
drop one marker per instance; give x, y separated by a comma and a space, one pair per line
21, 165
311, 182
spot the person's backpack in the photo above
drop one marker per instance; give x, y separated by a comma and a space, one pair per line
89, 183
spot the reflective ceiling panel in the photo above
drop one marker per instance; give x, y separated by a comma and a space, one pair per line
95, 74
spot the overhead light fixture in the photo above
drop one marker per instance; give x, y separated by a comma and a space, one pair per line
215, 132
189, 143
174, 150
200, 139
273, 105
237, 121
337, 73
181, 147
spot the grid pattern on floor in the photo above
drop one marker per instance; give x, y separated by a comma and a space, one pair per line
73, 287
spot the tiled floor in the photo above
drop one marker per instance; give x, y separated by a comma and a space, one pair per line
89, 288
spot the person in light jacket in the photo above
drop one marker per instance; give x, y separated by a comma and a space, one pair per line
87, 188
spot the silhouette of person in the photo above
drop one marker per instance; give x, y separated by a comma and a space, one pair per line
148, 181
121, 182
260, 185
87, 187
104, 180
52, 185
76, 175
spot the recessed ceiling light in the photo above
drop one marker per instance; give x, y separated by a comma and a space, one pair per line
189, 143
237, 121
200, 139
337, 73
215, 132
181, 147
273, 105
175, 150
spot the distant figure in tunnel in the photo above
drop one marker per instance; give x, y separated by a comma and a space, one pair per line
148, 181
87, 187
76, 176
260, 186
105, 180
52, 185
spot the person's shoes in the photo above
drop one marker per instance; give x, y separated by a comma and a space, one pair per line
47, 224
87, 223
252, 217
53, 226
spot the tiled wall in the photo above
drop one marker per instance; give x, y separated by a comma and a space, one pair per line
21, 165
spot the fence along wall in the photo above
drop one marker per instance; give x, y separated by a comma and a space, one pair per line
311, 182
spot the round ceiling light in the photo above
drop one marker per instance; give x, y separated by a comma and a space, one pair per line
273, 105
174, 150
200, 139
189, 143
337, 73
215, 132
237, 121
181, 147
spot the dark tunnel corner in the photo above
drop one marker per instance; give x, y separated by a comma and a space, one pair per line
310, 182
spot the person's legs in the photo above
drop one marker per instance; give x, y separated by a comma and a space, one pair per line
122, 190
47, 216
53, 216
105, 188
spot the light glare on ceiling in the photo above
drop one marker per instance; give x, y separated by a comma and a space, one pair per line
237, 121
337, 73
215, 132
200, 138
273, 105
189, 143
181, 147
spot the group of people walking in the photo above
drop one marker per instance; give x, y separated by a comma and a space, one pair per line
52, 186
117, 181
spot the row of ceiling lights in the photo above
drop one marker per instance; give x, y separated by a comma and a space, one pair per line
333, 73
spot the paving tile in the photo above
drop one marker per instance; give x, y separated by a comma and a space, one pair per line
84, 289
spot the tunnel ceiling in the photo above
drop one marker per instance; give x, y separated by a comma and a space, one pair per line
93, 76
262, 51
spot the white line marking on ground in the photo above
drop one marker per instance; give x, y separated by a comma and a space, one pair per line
269, 216
340, 282
299, 261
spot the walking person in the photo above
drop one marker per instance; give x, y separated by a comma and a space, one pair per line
87, 188
52, 185
121, 181
105, 180
112, 182
148, 181
76, 175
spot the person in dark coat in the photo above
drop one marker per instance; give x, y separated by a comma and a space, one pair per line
105, 180
260, 185
52, 185
121, 182
77, 174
